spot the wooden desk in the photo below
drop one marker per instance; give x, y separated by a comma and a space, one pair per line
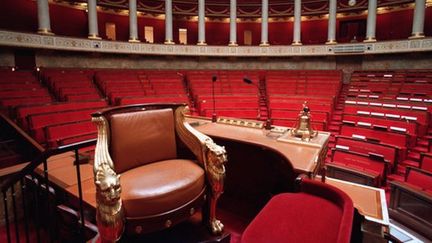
305, 157
371, 203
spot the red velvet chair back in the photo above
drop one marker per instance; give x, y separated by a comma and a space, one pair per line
318, 213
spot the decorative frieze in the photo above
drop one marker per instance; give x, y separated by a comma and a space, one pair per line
18, 39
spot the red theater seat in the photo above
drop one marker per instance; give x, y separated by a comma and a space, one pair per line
411, 201
293, 217
426, 162
369, 169
419, 178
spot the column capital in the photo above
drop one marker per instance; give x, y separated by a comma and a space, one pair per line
94, 37
370, 39
417, 35
331, 42
134, 40
45, 31
232, 43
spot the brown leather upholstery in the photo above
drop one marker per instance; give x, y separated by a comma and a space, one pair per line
158, 187
143, 184
142, 137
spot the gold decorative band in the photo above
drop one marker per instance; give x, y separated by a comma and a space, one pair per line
169, 42
331, 42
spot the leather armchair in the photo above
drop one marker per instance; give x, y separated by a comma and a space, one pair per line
158, 187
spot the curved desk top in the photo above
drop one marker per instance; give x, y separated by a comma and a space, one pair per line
304, 156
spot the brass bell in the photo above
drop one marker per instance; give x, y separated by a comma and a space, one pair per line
303, 128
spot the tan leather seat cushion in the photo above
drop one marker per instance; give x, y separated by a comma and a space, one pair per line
142, 137
161, 186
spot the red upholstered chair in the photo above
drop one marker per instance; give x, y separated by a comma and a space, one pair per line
318, 213
161, 184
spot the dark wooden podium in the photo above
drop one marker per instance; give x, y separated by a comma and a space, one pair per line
261, 162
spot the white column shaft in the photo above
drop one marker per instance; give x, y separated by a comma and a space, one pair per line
201, 22
168, 22
44, 24
92, 19
419, 18
297, 22
264, 22
133, 21
331, 37
233, 22
371, 20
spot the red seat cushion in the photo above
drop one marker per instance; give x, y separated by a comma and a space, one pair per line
293, 217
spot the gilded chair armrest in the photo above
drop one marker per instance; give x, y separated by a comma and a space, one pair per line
109, 216
211, 156
203, 147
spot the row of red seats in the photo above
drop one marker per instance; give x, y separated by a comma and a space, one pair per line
55, 124
21, 87
386, 114
232, 97
364, 168
138, 84
71, 85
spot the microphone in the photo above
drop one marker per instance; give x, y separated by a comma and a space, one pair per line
261, 96
214, 78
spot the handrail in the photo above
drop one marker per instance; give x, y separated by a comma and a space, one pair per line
21, 133
10, 181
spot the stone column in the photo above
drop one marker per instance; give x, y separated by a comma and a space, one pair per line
201, 22
264, 23
418, 20
133, 22
297, 23
44, 24
168, 23
371, 21
233, 23
92, 20
331, 37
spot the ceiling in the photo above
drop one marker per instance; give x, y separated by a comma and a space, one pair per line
245, 8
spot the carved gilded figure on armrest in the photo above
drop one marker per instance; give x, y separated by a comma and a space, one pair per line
216, 158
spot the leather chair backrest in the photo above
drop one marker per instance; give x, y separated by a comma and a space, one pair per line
142, 137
